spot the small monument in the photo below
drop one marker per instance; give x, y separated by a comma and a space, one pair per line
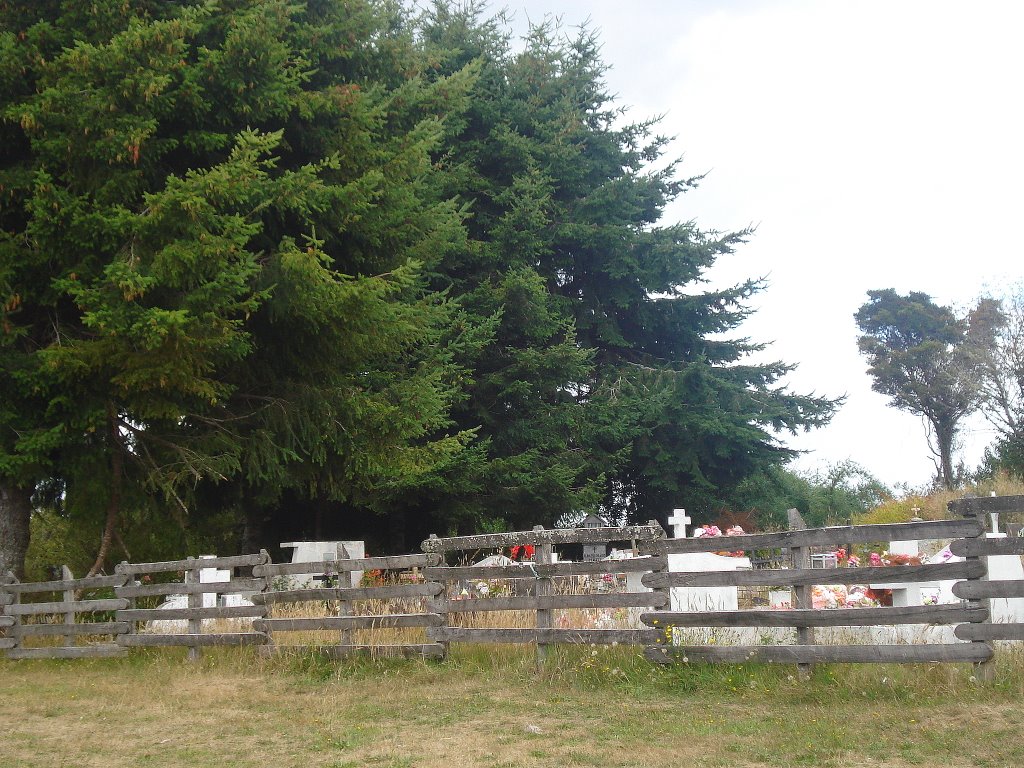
594, 552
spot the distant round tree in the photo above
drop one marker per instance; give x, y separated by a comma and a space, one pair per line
920, 355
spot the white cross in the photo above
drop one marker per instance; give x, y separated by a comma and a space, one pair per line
679, 521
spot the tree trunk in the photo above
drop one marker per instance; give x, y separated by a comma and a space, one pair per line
114, 504
944, 437
15, 513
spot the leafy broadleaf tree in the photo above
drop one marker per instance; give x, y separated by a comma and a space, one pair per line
997, 333
214, 223
921, 356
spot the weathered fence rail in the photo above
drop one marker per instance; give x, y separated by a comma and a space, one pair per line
418, 604
801, 577
348, 611
71, 618
551, 588
202, 602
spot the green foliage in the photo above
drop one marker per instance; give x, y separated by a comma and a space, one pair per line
920, 355
211, 245
997, 331
328, 267
836, 495
610, 383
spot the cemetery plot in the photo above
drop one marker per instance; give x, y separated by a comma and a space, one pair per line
531, 596
208, 596
899, 576
385, 616
66, 618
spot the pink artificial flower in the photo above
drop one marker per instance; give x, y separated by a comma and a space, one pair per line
876, 559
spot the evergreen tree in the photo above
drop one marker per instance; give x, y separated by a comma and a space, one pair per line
214, 223
612, 375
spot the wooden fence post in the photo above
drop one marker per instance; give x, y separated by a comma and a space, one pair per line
10, 622
803, 596
666, 640
983, 670
69, 597
195, 601
542, 555
344, 607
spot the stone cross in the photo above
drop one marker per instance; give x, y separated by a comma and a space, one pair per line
679, 521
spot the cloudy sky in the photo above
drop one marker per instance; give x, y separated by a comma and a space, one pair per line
873, 144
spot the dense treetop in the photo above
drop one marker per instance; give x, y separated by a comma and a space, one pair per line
281, 269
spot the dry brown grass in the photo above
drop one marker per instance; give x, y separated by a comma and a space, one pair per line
232, 708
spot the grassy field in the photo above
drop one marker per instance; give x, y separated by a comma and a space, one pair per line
491, 707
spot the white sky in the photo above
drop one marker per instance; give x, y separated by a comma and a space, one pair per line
874, 144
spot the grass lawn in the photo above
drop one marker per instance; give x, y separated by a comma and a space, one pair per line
490, 707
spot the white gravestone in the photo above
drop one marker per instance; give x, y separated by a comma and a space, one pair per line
702, 598
320, 551
1004, 568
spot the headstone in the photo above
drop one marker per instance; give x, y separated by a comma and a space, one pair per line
594, 552
320, 551
212, 576
679, 521
705, 598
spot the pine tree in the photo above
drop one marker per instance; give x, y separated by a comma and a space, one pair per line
652, 405
214, 227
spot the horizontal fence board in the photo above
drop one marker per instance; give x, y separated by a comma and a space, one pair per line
7, 642
979, 547
213, 612
90, 582
6, 621
231, 561
408, 650
811, 576
532, 635
194, 588
390, 563
94, 628
544, 536
193, 639
67, 652
549, 570
986, 505
6, 598
428, 589
990, 632
979, 590
349, 622
825, 654
552, 602
839, 535
73, 606
808, 617
461, 572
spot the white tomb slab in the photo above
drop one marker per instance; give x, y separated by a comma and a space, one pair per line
1004, 568
212, 576
319, 551
705, 598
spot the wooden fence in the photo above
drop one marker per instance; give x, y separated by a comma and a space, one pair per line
423, 600
198, 612
71, 617
348, 610
540, 588
803, 616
